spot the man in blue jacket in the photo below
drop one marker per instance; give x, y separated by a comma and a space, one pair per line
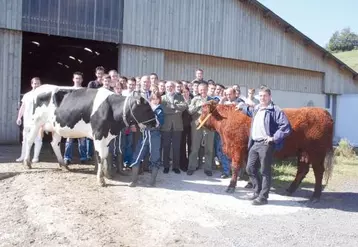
149, 143
269, 128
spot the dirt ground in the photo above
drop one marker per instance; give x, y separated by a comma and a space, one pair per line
49, 207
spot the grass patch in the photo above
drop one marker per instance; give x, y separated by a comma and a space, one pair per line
285, 172
349, 57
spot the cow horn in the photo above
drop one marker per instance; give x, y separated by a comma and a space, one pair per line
203, 122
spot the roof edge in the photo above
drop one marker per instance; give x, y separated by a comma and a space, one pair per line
307, 41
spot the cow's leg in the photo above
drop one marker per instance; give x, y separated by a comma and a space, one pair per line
236, 163
235, 167
55, 144
302, 170
30, 138
102, 149
318, 169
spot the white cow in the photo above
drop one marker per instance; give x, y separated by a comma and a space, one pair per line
98, 114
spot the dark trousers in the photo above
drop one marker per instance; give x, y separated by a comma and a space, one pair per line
171, 139
184, 154
262, 152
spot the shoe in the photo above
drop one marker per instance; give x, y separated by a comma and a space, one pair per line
176, 170
253, 196
189, 172
67, 162
208, 173
259, 201
166, 170
224, 176
35, 160
249, 185
135, 171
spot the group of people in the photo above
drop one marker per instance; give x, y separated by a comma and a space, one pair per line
175, 143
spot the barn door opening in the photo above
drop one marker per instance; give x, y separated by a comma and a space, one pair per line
54, 59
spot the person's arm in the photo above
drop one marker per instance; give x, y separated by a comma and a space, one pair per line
20, 114
181, 105
248, 110
167, 107
284, 126
193, 108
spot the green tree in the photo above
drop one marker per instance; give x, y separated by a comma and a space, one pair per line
345, 40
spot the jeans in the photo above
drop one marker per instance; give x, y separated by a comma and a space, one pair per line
89, 148
264, 153
224, 159
127, 145
149, 143
81, 149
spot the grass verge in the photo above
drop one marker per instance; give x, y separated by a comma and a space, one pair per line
344, 169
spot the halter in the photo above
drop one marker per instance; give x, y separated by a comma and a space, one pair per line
140, 124
201, 123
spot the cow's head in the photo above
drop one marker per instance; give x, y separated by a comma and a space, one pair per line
140, 111
207, 111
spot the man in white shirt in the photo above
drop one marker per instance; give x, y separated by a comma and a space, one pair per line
77, 83
25, 111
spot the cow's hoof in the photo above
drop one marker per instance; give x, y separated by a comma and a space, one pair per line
27, 164
314, 199
230, 190
64, 167
288, 193
101, 182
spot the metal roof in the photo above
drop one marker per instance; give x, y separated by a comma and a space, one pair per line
288, 27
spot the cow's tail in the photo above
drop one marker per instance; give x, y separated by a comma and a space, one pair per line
328, 165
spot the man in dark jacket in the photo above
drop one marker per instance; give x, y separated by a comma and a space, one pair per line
269, 128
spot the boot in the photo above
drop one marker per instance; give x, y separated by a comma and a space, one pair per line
37, 151
135, 170
153, 176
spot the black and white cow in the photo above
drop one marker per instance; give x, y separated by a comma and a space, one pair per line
98, 114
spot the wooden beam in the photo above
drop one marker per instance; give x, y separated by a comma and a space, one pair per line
288, 29
266, 13
306, 42
325, 55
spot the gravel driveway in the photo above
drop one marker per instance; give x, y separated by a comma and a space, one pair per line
48, 207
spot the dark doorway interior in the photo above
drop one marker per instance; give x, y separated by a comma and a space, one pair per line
55, 58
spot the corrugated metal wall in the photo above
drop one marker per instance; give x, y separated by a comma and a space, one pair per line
87, 19
10, 14
10, 79
229, 72
137, 61
226, 28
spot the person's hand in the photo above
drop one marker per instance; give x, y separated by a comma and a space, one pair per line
239, 106
18, 121
186, 95
133, 128
268, 140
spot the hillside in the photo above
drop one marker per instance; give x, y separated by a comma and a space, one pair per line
349, 57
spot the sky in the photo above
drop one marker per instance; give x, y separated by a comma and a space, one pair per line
317, 19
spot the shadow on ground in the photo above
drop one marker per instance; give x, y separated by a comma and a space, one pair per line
198, 182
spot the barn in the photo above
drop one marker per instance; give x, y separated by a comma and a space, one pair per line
233, 41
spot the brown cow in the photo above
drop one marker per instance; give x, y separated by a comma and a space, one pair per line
311, 140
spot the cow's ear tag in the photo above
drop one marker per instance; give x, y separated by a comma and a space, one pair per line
138, 101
